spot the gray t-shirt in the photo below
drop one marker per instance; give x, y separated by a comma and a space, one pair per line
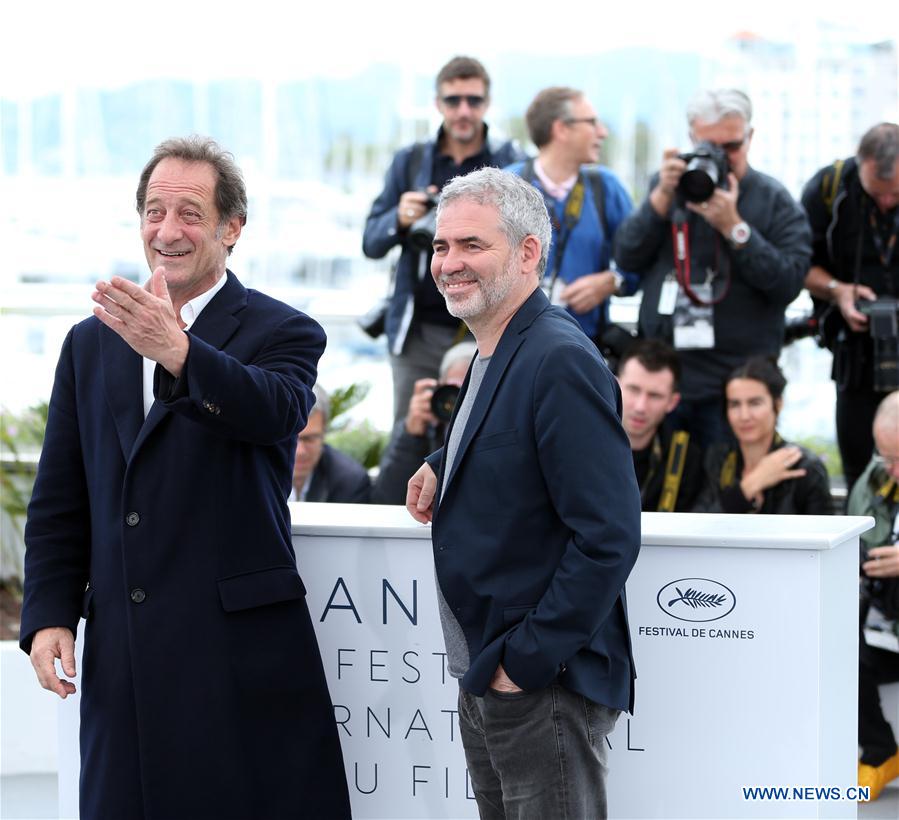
457, 656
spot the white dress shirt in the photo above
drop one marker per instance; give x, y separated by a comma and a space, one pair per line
189, 313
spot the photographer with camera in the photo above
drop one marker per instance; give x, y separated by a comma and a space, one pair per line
321, 473
876, 494
853, 208
419, 328
421, 432
721, 250
586, 204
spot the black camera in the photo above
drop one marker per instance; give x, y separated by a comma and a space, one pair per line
883, 322
421, 232
707, 169
443, 401
801, 328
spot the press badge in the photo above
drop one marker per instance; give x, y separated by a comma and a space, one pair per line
694, 325
555, 296
668, 295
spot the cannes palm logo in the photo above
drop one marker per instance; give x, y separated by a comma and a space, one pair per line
696, 599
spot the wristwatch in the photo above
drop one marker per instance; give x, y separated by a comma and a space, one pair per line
739, 234
832, 286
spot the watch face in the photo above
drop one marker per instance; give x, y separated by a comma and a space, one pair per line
740, 233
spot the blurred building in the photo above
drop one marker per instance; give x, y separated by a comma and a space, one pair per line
813, 98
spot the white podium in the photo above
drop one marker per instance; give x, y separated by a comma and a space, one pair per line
745, 632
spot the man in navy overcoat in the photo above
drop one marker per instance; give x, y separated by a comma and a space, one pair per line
159, 515
535, 517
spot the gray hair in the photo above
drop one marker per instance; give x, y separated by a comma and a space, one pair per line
713, 105
322, 404
230, 192
464, 351
881, 144
521, 209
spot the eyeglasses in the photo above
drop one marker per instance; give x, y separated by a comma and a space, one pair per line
729, 147
591, 121
455, 100
733, 145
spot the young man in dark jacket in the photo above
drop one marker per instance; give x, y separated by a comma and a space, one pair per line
668, 465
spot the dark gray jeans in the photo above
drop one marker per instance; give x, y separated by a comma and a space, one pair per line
539, 754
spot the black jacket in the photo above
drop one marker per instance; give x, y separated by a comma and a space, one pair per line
837, 208
809, 495
766, 275
404, 454
692, 474
339, 479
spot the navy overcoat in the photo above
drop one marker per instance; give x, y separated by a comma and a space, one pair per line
203, 694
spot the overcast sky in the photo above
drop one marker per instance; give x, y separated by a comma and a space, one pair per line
47, 46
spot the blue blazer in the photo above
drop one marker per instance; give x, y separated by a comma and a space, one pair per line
202, 688
538, 525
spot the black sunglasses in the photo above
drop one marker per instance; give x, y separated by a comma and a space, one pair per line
729, 147
455, 100
734, 145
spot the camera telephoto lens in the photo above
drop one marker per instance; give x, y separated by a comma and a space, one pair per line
699, 180
707, 169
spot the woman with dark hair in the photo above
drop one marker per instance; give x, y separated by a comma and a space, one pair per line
762, 473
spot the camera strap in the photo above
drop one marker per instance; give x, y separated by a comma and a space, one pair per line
674, 469
884, 249
574, 205
680, 237
889, 492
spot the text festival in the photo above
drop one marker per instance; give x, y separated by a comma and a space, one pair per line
369, 686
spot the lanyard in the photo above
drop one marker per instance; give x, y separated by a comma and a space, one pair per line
680, 237
884, 249
674, 469
573, 207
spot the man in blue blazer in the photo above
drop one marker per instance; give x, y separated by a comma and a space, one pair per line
535, 514
159, 515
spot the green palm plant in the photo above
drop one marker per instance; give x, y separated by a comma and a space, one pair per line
21, 434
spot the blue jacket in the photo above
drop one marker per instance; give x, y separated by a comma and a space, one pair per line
381, 231
588, 249
171, 536
538, 525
